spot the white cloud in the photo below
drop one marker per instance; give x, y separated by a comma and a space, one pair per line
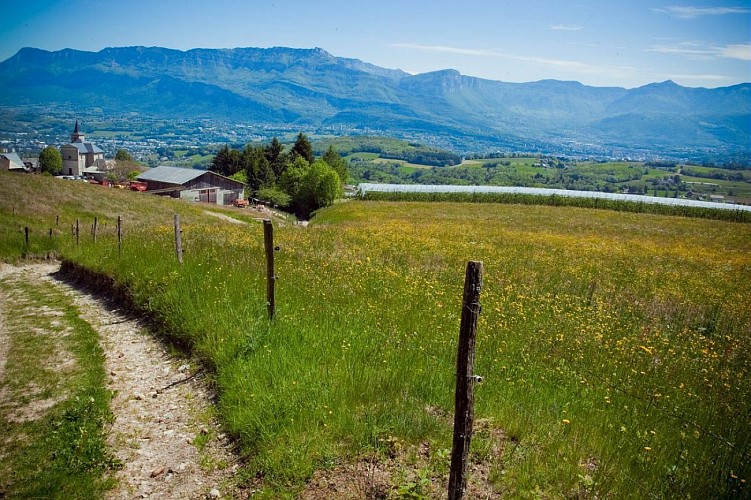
683, 49
702, 51
684, 12
578, 66
712, 78
737, 51
446, 49
566, 27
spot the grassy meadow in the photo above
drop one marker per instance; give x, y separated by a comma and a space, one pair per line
614, 346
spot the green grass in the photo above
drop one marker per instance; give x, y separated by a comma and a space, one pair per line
614, 345
111, 133
362, 156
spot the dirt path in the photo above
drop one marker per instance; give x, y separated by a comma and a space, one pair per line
164, 431
224, 217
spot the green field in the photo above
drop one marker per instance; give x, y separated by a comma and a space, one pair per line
614, 346
110, 134
545, 172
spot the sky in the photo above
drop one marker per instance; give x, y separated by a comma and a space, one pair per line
616, 43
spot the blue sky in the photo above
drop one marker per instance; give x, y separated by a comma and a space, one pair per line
624, 43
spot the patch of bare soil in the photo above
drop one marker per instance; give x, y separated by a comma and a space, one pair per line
164, 432
393, 478
414, 471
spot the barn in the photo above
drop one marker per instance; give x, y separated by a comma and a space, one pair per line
192, 185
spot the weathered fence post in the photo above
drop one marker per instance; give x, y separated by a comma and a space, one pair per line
78, 231
119, 234
94, 229
268, 241
178, 239
26, 233
465, 380
50, 232
57, 220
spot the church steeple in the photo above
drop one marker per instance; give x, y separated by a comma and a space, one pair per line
76, 136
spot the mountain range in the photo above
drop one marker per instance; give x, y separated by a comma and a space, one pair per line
312, 88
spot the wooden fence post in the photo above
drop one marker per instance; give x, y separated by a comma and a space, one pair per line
78, 231
94, 229
119, 234
26, 233
268, 240
50, 232
57, 220
465, 380
178, 239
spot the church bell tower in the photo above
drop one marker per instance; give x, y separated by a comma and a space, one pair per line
77, 136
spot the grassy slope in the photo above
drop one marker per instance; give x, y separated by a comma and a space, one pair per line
614, 345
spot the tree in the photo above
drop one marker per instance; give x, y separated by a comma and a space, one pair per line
303, 148
122, 155
335, 161
257, 169
51, 161
226, 162
275, 155
324, 184
124, 170
311, 186
291, 180
274, 196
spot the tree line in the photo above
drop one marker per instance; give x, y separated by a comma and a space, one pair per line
395, 149
293, 179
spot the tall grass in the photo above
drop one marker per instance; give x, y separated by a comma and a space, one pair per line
614, 345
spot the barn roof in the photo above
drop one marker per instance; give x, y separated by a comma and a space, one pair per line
176, 175
15, 161
170, 175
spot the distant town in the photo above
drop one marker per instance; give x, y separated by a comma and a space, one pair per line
193, 143
150, 141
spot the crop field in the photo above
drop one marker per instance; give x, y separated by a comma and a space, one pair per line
618, 176
615, 347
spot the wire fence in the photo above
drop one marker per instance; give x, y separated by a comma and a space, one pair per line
118, 230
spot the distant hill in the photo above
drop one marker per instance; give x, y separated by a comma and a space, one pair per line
311, 87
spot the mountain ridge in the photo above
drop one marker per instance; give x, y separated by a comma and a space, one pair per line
282, 85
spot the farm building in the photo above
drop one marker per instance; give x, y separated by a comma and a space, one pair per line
11, 162
192, 185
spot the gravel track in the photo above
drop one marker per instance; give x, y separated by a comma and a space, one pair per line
162, 405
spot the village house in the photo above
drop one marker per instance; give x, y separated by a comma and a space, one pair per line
11, 162
32, 164
192, 185
81, 157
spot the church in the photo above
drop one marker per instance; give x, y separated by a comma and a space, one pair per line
81, 157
